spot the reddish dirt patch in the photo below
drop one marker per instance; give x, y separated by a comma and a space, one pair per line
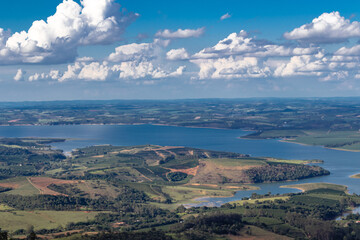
188, 171
206, 185
42, 183
10, 185
14, 121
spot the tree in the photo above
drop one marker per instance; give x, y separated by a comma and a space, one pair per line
3, 235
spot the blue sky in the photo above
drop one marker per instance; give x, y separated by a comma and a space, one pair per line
95, 49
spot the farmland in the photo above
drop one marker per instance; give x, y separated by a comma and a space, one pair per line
16, 220
95, 186
300, 216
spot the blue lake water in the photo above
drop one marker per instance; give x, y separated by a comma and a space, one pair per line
341, 164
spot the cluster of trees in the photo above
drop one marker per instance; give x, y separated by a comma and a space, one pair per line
214, 223
284, 172
23, 158
202, 227
177, 176
149, 235
68, 189
127, 196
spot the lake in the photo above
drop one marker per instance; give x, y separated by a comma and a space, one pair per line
341, 164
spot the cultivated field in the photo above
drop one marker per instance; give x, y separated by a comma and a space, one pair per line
14, 220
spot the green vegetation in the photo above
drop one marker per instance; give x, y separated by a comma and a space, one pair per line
313, 186
342, 140
306, 215
292, 115
355, 176
261, 200
14, 220
128, 188
177, 176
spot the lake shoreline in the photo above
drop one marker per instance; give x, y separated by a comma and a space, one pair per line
169, 125
304, 144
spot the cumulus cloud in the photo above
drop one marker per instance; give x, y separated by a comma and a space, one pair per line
177, 54
56, 40
134, 70
85, 59
52, 75
94, 71
19, 76
352, 51
324, 68
306, 65
241, 44
225, 16
130, 61
103, 71
228, 68
180, 33
240, 56
136, 51
327, 28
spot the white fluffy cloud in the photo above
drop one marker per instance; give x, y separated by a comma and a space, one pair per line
325, 68
239, 56
241, 44
229, 68
52, 75
134, 70
97, 71
56, 39
19, 76
94, 71
225, 16
180, 33
104, 71
327, 28
136, 51
305, 65
352, 51
177, 54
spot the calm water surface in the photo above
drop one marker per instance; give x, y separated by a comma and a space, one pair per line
341, 164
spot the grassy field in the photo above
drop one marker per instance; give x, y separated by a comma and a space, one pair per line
261, 200
342, 140
20, 185
257, 234
313, 186
4, 207
183, 194
229, 162
355, 175
281, 134
14, 220
291, 161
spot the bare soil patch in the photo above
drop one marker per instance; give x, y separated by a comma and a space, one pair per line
188, 171
10, 185
211, 173
42, 183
